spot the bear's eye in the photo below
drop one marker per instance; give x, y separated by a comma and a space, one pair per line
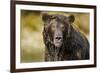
62, 27
53, 27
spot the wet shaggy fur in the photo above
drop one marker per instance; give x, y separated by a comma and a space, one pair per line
75, 45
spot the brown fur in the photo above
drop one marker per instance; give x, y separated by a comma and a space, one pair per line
75, 45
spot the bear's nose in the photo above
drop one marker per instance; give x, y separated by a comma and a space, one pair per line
58, 38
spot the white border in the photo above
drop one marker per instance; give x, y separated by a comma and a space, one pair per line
52, 64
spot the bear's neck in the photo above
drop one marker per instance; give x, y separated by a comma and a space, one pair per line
53, 53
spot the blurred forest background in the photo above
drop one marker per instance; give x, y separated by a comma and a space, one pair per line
32, 46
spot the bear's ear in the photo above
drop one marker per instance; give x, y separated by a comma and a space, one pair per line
45, 17
71, 18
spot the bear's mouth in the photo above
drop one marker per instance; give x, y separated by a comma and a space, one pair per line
58, 44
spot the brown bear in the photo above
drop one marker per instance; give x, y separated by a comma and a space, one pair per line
62, 40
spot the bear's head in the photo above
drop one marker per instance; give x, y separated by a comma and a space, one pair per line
57, 27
